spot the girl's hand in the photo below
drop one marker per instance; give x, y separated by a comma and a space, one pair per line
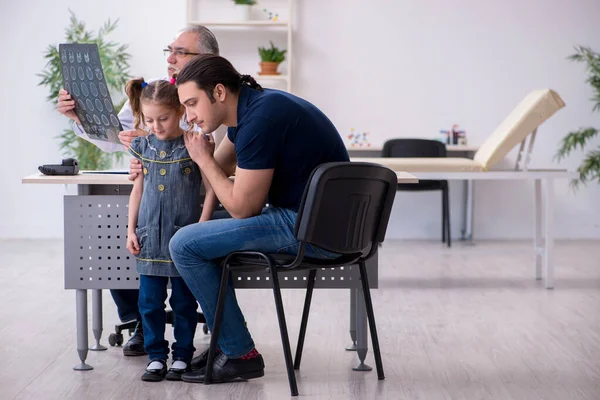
132, 244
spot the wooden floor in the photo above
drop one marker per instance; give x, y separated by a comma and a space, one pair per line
465, 323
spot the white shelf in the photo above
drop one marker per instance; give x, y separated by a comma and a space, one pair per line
270, 77
219, 20
251, 23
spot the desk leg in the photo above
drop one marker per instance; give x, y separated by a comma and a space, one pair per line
549, 227
467, 231
82, 329
353, 295
537, 229
361, 331
97, 319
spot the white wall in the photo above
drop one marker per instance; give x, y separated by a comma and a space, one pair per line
395, 68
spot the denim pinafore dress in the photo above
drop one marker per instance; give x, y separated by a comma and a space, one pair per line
171, 199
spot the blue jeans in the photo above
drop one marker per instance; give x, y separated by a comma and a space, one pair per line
153, 293
195, 247
126, 301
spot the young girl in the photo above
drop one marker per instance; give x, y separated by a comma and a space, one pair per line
164, 198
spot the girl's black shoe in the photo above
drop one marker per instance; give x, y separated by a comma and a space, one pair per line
155, 375
174, 374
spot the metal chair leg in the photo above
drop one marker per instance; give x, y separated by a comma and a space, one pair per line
309, 290
284, 332
371, 317
447, 205
444, 216
217, 324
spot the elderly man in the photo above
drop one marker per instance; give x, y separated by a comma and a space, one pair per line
189, 42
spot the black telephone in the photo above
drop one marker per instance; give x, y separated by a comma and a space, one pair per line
69, 166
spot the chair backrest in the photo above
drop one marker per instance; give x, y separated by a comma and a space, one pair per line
530, 113
346, 206
413, 148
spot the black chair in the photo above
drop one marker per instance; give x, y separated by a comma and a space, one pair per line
345, 210
409, 148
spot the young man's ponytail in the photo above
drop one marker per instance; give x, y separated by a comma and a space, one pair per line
250, 81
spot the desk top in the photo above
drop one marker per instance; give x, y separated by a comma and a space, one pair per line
83, 178
91, 178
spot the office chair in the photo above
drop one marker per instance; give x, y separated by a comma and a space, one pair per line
345, 209
409, 148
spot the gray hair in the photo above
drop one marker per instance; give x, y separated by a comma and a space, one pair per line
207, 42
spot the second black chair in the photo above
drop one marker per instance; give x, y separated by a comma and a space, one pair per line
423, 148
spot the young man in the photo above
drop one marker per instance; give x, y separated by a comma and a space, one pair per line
274, 142
191, 41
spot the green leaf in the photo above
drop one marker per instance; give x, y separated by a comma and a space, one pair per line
589, 169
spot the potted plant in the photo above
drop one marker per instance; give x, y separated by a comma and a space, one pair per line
115, 62
270, 59
589, 169
243, 9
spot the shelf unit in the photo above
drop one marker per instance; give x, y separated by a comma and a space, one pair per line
287, 25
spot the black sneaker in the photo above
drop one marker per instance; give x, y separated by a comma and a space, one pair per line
135, 345
227, 369
155, 375
174, 374
200, 362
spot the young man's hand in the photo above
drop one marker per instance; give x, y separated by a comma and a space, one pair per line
132, 243
66, 105
135, 168
200, 146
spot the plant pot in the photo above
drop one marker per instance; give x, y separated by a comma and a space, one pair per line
268, 68
241, 12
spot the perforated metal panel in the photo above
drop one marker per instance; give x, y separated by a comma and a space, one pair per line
96, 256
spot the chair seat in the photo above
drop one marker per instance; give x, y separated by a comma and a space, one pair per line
252, 260
428, 164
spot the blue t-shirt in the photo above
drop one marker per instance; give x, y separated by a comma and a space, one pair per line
280, 131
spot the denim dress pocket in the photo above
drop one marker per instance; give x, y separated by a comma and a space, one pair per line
142, 237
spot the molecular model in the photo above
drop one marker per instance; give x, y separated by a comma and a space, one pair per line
271, 16
359, 139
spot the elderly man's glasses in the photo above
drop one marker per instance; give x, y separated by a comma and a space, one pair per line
178, 52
